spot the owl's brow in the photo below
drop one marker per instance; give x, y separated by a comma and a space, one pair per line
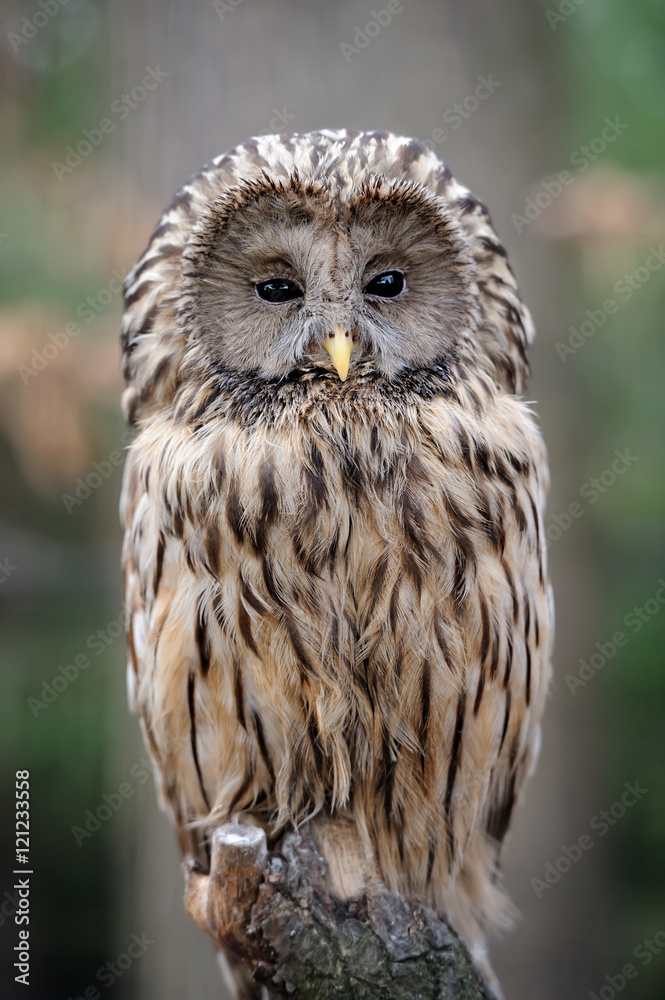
209, 281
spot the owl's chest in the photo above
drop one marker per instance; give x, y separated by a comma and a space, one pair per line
327, 509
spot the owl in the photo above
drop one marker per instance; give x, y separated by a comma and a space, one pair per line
335, 568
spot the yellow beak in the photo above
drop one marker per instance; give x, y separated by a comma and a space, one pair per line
339, 345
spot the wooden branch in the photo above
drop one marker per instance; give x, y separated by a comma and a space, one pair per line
314, 921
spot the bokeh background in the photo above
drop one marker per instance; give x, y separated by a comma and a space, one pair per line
68, 233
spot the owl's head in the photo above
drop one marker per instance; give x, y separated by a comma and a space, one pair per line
326, 255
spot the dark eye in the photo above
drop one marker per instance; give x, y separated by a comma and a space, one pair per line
387, 285
278, 290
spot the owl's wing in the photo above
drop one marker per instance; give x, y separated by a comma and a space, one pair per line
201, 752
493, 506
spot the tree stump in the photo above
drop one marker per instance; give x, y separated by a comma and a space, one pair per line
312, 920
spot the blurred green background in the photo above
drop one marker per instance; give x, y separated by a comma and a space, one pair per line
69, 233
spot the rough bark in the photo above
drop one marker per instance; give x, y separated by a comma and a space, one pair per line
312, 920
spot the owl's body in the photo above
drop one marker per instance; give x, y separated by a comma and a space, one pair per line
336, 590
